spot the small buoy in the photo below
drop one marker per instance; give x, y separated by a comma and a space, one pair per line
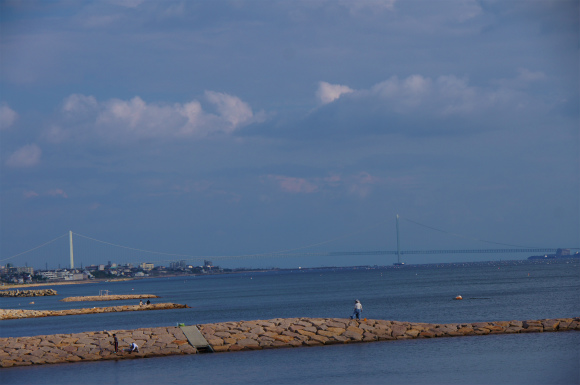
459, 297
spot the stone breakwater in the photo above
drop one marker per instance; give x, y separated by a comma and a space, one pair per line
92, 346
276, 333
112, 297
27, 293
250, 335
6, 314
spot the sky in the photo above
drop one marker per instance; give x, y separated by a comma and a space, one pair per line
236, 128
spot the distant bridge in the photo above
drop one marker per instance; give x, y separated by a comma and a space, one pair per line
112, 251
410, 252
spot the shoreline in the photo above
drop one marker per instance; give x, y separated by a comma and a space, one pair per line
9, 286
247, 335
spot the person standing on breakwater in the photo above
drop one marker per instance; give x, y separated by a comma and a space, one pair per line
116, 343
357, 310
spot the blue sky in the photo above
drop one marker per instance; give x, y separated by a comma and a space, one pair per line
224, 128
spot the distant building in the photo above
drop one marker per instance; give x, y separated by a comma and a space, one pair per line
177, 265
147, 266
49, 275
19, 270
560, 253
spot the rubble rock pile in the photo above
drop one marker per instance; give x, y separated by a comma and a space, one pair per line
27, 293
92, 346
284, 332
250, 335
6, 314
112, 297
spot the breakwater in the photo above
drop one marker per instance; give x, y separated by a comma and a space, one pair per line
250, 335
6, 314
108, 297
27, 293
92, 346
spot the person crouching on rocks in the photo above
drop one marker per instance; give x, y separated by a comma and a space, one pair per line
134, 348
357, 310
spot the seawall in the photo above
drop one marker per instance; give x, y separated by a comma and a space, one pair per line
250, 335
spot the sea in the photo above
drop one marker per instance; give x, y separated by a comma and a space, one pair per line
423, 293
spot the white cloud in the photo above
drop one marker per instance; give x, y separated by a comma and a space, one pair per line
422, 104
445, 95
526, 75
408, 92
373, 5
55, 134
127, 3
231, 108
30, 194
293, 184
524, 79
359, 185
80, 104
135, 118
57, 193
327, 93
7, 117
26, 156
101, 21
465, 10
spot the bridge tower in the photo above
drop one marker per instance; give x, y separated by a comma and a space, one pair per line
72, 261
398, 246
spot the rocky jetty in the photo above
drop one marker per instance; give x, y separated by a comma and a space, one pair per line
284, 332
27, 293
250, 335
92, 346
6, 314
112, 297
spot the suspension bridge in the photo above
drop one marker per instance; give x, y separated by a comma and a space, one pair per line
78, 244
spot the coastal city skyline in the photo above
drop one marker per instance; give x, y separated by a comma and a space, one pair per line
247, 127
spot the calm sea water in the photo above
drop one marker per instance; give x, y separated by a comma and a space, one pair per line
419, 294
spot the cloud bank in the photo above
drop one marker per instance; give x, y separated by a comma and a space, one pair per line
123, 121
24, 157
7, 117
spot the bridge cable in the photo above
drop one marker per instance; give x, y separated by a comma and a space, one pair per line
37, 247
134, 249
269, 254
465, 236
